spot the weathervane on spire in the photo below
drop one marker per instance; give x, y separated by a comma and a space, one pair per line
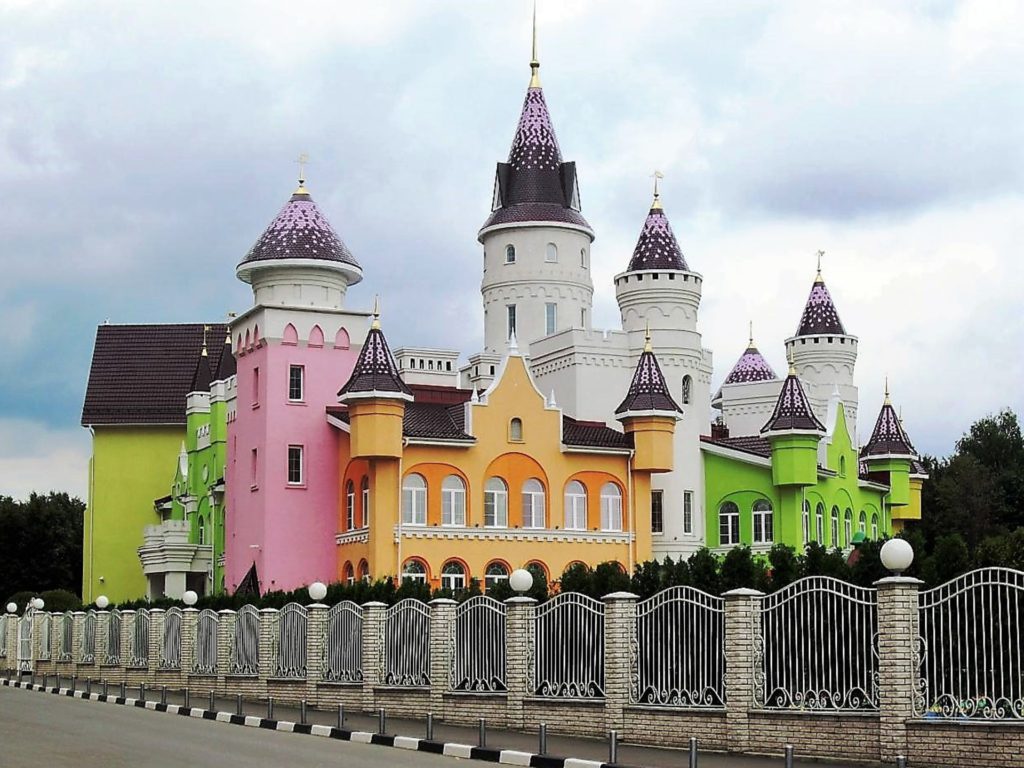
657, 176
206, 329
534, 61
750, 343
302, 160
375, 325
818, 278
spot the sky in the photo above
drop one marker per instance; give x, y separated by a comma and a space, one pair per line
144, 147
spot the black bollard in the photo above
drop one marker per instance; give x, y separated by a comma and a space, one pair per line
789, 756
613, 746
482, 735
382, 720
542, 739
693, 752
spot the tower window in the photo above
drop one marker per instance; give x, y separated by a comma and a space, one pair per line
295, 383
350, 506
583, 258
657, 512
511, 310
687, 389
550, 318
687, 511
551, 253
510, 254
294, 465
515, 430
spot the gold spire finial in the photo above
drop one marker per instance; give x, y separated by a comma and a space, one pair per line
657, 176
227, 328
375, 325
534, 62
750, 342
792, 364
302, 160
818, 278
887, 400
206, 329
647, 336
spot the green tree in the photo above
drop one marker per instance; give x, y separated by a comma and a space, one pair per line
41, 543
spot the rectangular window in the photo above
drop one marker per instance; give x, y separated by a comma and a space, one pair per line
255, 387
453, 506
550, 318
657, 512
366, 504
294, 465
511, 309
763, 532
296, 393
729, 528
495, 509
583, 318
687, 511
253, 468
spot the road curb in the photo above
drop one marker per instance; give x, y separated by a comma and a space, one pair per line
451, 749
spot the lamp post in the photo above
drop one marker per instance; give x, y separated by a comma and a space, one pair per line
317, 591
521, 580
12, 607
897, 555
102, 602
190, 598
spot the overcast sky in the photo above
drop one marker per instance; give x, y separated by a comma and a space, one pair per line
144, 147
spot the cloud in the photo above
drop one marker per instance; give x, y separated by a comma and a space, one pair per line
35, 458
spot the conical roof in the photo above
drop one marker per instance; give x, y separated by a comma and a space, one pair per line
203, 376
793, 412
888, 437
300, 231
657, 247
820, 316
648, 390
375, 372
750, 367
227, 367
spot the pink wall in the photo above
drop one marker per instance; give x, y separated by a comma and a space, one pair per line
294, 527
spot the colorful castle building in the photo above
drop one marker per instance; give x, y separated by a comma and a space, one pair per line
320, 455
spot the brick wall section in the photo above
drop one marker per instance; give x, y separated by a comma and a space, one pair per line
330, 695
77, 631
519, 649
950, 745
619, 639
373, 626
579, 717
897, 670
402, 702
820, 735
468, 707
669, 727
742, 627
102, 623
287, 691
442, 621
316, 642
127, 630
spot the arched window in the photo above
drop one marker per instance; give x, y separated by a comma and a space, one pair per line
496, 503
364, 486
510, 254
316, 336
414, 570
575, 506
583, 258
611, 507
495, 574
842, 466
515, 430
350, 505
862, 523
874, 526
202, 531
728, 524
453, 576
453, 501
819, 514
533, 503
848, 526
807, 521
763, 533
835, 528
687, 389
364, 570
538, 570
350, 574
551, 253
290, 335
414, 500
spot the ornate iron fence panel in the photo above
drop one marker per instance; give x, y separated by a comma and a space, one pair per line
292, 622
245, 651
25, 640
406, 640
66, 641
44, 621
478, 645
972, 657
343, 649
817, 648
88, 648
207, 632
114, 639
569, 642
170, 643
678, 656
3, 635
139, 656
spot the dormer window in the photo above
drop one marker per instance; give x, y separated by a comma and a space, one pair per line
515, 430
551, 253
510, 254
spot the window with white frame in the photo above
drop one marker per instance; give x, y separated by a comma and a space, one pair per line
550, 318
365, 488
862, 523
350, 574
453, 501
414, 570
296, 382
551, 253
763, 524
364, 571
533, 503
848, 526
202, 531
496, 503
414, 500
657, 511
728, 524
835, 528
350, 505
611, 507
874, 527
510, 254
453, 576
495, 574
687, 511
294, 465
510, 311
819, 526
807, 522
575, 506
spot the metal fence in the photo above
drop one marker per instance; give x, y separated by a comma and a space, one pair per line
170, 645
44, 622
569, 647
478, 645
139, 656
245, 651
25, 641
3, 635
88, 646
292, 622
678, 656
406, 641
817, 647
66, 641
343, 649
207, 631
113, 639
972, 649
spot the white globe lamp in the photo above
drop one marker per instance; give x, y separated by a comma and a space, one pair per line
317, 591
102, 602
12, 607
37, 603
897, 555
190, 598
520, 580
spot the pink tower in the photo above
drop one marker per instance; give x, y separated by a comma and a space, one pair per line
293, 347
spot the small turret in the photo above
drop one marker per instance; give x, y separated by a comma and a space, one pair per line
750, 367
889, 455
793, 431
649, 414
226, 366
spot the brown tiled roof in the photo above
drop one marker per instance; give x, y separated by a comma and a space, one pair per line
429, 421
792, 410
593, 434
141, 374
754, 444
648, 390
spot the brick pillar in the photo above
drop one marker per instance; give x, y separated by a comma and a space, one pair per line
7, 640
619, 637
442, 622
102, 624
316, 640
189, 620
742, 628
77, 630
268, 646
373, 650
225, 642
156, 641
519, 650
897, 661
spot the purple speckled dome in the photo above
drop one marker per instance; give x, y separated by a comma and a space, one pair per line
820, 314
300, 231
889, 437
792, 410
535, 146
750, 367
648, 390
657, 247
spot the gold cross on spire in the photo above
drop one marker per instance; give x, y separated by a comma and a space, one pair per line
818, 278
534, 62
657, 176
302, 160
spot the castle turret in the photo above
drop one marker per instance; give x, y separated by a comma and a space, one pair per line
793, 431
649, 413
889, 455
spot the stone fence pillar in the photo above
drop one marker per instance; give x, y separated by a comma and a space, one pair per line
77, 633
316, 641
189, 623
897, 661
101, 645
373, 650
226, 619
519, 652
268, 647
442, 619
8, 640
742, 633
619, 636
